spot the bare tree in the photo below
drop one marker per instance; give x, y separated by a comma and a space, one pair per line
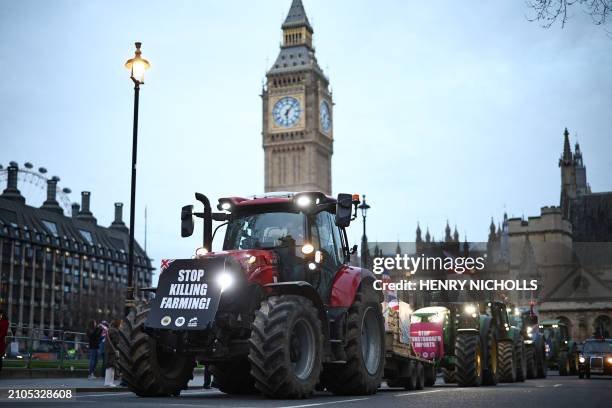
550, 11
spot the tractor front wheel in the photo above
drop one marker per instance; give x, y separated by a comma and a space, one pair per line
506, 361
490, 375
530, 357
148, 368
285, 347
448, 375
468, 363
521, 359
365, 349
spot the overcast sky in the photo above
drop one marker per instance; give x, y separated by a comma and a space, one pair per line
443, 109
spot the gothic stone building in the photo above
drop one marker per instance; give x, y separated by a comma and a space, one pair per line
567, 248
297, 128
57, 271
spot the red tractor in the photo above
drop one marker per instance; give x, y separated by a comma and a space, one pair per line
279, 310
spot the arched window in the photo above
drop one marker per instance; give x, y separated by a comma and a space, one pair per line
602, 326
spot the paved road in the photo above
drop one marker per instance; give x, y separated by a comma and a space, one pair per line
554, 392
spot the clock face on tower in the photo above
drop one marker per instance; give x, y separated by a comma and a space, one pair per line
325, 116
286, 111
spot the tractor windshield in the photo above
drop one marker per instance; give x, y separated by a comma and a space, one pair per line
265, 231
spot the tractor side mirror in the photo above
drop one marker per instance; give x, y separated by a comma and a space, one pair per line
343, 210
187, 221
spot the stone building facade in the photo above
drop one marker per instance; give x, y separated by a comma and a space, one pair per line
59, 270
567, 248
297, 132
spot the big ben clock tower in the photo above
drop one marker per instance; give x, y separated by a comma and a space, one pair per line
297, 113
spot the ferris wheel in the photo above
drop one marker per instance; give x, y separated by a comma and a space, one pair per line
33, 185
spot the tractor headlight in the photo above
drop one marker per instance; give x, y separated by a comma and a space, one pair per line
303, 201
469, 309
307, 249
225, 280
581, 359
312, 266
318, 257
609, 360
224, 205
201, 252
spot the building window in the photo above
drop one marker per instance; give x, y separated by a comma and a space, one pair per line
51, 226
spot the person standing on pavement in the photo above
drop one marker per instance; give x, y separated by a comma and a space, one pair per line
4, 326
207, 378
111, 353
93, 335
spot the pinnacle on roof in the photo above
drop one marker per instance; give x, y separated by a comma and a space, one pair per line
567, 151
296, 16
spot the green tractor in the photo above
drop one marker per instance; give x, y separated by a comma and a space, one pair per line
477, 345
561, 350
526, 321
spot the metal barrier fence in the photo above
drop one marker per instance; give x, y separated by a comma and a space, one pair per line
46, 349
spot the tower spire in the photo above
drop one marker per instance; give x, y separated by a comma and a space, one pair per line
567, 150
296, 16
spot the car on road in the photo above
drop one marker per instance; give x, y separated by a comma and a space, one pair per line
595, 358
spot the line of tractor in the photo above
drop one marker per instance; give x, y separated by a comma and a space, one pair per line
280, 311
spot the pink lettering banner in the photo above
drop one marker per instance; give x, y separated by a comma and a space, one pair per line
427, 340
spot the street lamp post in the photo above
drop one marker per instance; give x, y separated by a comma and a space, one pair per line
364, 207
137, 67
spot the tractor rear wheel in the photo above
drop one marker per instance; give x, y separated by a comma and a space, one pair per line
506, 360
468, 360
233, 377
286, 345
521, 369
530, 356
448, 375
410, 383
490, 375
365, 349
149, 369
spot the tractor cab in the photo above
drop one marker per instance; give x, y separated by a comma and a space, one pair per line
303, 233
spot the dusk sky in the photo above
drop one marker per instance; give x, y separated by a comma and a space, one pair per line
443, 110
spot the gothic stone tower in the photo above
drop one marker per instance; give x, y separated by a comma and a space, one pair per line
297, 113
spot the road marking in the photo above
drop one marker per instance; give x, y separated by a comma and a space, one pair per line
557, 385
325, 403
417, 393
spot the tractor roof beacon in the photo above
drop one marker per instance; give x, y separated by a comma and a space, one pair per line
276, 311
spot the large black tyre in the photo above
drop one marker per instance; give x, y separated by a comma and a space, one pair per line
468, 360
149, 370
430, 375
286, 345
521, 361
410, 383
364, 349
233, 377
564, 364
506, 362
448, 376
530, 357
490, 374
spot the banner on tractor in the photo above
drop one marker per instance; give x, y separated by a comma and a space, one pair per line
427, 340
187, 295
